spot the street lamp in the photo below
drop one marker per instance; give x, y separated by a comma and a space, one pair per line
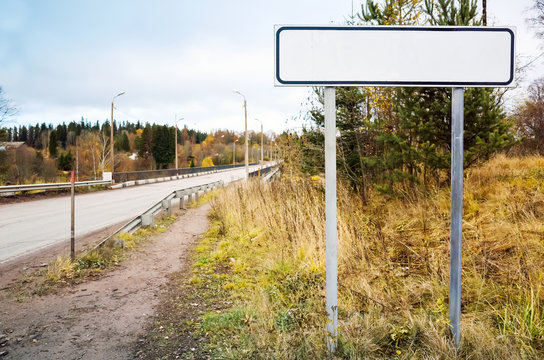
111, 135
176, 120
245, 132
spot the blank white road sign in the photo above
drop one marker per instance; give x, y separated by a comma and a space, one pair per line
394, 56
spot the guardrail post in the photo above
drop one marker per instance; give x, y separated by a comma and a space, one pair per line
181, 196
167, 204
196, 195
119, 243
148, 219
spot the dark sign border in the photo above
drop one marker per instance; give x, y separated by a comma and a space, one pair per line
394, 83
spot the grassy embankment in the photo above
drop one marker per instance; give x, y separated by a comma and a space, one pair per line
265, 253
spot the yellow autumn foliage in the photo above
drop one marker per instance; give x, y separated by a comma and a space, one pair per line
207, 162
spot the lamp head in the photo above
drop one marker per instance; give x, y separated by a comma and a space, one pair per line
239, 93
121, 93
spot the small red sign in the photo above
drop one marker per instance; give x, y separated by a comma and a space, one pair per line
72, 177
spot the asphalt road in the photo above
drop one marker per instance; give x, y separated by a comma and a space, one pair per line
29, 226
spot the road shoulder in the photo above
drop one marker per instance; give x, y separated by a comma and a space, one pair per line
106, 318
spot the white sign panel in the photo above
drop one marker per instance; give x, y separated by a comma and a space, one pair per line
394, 56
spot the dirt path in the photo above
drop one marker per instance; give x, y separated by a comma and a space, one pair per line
102, 319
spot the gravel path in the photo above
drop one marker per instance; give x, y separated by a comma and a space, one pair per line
102, 319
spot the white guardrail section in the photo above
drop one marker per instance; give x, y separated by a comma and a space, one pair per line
51, 186
191, 193
161, 179
148, 217
271, 175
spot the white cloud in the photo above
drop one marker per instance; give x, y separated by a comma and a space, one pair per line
195, 82
54, 78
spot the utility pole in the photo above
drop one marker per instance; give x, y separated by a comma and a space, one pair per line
77, 161
246, 140
111, 136
176, 139
245, 133
111, 141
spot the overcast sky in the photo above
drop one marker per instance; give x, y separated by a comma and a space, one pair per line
63, 60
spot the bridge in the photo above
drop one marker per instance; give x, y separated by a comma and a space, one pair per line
29, 226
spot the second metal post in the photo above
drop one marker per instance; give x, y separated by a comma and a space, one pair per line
456, 230
330, 216
72, 217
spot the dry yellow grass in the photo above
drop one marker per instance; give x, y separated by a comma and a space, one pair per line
393, 269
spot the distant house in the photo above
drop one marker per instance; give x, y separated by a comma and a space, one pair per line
7, 145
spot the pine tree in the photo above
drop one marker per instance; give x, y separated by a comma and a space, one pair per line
53, 144
395, 137
143, 142
163, 146
23, 134
66, 161
122, 143
62, 134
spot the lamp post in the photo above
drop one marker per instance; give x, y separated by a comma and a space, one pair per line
176, 120
245, 132
111, 135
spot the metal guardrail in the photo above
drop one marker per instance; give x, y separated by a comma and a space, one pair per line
125, 176
148, 216
51, 186
271, 175
139, 177
265, 169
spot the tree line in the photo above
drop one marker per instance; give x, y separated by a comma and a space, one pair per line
85, 147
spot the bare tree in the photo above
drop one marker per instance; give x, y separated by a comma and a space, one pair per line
538, 20
7, 109
104, 150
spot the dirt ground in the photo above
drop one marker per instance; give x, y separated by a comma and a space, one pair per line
103, 319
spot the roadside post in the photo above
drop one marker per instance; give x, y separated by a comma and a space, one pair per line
445, 56
72, 216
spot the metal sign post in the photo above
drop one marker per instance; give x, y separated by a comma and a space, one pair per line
443, 56
330, 216
456, 230
72, 216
